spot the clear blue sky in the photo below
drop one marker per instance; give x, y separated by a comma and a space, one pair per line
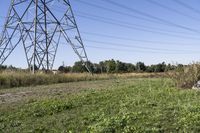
174, 44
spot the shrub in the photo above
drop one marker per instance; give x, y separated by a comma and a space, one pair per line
187, 76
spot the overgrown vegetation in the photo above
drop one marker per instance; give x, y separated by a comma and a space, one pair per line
10, 79
187, 76
126, 105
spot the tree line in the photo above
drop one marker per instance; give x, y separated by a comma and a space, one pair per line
116, 66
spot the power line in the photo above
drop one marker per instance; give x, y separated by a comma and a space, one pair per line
81, 14
133, 51
130, 45
138, 47
154, 50
187, 6
131, 24
136, 28
172, 10
118, 12
134, 40
102, 20
123, 38
151, 16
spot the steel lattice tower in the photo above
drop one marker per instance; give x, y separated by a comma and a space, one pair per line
37, 26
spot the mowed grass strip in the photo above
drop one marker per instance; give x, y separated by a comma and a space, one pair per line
134, 105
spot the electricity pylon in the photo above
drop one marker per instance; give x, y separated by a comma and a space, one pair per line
40, 28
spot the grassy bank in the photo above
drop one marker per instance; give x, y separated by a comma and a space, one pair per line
19, 79
118, 105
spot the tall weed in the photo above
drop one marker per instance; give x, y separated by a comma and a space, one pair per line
10, 79
187, 76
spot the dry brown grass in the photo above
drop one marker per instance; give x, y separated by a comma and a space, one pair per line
17, 79
187, 76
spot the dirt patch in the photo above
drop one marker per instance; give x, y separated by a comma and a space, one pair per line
13, 97
24, 94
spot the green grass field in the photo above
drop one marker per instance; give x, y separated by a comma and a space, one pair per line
116, 105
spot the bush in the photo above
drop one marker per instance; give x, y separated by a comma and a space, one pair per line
187, 76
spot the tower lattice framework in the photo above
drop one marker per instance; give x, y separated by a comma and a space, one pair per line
40, 28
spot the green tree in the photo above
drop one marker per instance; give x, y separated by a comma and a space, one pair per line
97, 68
102, 66
2, 67
110, 66
120, 67
160, 67
65, 69
78, 67
140, 67
130, 67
